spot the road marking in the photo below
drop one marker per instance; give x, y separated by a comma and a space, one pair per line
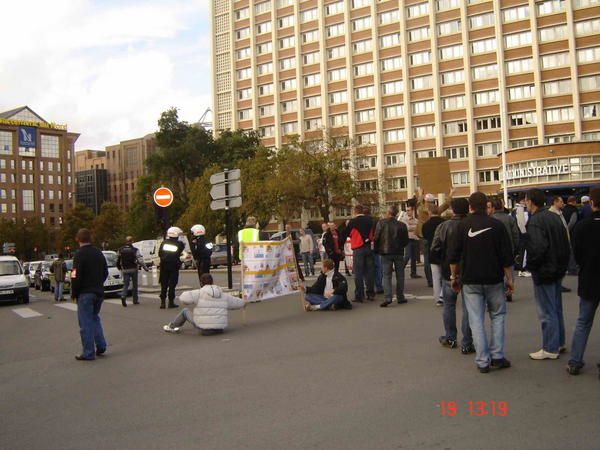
69, 306
113, 302
424, 297
26, 313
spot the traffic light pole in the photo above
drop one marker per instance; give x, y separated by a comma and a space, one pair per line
228, 233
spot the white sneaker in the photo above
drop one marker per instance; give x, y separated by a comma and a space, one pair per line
542, 354
525, 274
169, 329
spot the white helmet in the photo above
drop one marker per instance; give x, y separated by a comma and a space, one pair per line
198, 230
174, 232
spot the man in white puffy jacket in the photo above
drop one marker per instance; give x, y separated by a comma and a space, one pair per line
210, 308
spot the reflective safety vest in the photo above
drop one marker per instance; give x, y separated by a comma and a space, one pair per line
247, 235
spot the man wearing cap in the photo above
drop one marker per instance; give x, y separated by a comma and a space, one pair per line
169, 253
200, 250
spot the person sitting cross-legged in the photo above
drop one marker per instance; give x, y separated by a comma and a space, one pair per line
328, 292
210, 308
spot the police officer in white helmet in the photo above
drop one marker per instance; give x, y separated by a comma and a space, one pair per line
169, 252
201, 250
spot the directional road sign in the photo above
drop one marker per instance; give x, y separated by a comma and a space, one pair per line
163, 197
226, 190
223, 203
220, 177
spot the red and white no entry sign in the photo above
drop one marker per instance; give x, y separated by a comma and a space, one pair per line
163, 197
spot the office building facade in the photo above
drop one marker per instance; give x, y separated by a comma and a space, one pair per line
411, 79
36, 167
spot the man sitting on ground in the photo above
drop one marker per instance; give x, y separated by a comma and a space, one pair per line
210, 308
329, 291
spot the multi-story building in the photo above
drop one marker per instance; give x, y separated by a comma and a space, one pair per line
91, 178
412, 79
125, 163
36, 173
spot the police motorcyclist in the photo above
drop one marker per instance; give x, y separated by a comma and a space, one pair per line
128, 261
200, 249
169, 252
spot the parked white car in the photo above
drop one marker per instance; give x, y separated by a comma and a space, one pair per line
14, 285
113, 283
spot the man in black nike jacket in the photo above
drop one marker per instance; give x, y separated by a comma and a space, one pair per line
483, 250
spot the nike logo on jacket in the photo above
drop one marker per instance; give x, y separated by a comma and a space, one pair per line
472, 233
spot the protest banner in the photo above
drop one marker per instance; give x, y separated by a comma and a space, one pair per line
268, 270
434, 175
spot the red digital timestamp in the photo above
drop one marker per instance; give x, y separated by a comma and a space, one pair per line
475, 408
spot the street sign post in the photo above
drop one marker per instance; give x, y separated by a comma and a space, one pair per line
163, 197
226, 192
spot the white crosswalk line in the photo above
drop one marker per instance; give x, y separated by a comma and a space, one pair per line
69, 306
26, 313
113, 302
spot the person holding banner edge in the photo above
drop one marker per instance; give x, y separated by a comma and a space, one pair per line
328, 292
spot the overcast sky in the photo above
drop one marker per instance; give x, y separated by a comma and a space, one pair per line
107, 68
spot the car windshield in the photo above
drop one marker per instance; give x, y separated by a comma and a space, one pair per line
9, 268
46, 267
69, 263
111, 259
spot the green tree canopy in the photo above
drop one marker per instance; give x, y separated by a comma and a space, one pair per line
109, 225
79, 217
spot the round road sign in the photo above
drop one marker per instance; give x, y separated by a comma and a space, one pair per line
163, 197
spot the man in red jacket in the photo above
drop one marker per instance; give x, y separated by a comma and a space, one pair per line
361, 230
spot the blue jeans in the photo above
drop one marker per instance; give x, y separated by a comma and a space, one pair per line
307, 260
426, 263
363, 269
548, 298
324, 302
410, 253
90, 326
378, 272
477, 297
58, 290
587, 311
397, 261
449, 316
133, 276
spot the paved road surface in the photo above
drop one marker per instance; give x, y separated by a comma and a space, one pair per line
370, 378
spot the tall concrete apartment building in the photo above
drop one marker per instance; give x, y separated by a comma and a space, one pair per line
91, 179
125, 163
36, 172
415, 79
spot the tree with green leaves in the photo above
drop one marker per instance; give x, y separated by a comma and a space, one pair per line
109, 226
80, 216
142, 221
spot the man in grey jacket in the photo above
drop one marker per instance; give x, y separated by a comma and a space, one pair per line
128, 261
513, 231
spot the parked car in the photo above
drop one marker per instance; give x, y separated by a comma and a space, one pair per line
219, 255
148, 249
67, 285
29, 271
113, 283
41, 278
296, 241
13, 282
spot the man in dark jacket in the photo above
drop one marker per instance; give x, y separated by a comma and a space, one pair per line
333, 245
361, 231
547, 246
200, 251
511, 226
391, 237
129, 259
87, 288
329, 291
432, 266
444, 235
169, 252
586, 247
59, 269
482, 249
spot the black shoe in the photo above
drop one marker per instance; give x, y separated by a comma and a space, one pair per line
430, 285
509, 298
416, 276
173, 305
124, 302
81, 358
450, 343
100, 352
485, 369
467, 349
402, 301
574, 370
162, 305
386, 303
500, 363
136, 303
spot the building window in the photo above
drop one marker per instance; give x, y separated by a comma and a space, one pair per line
558, 87
517, 39
423, 107
313, 124
450, 27
454, 102
483, 46
456, 127
523, 119
287, 21
244, 73
287, 63
287, 42
420, 58
589, 83
588, 55
335, 30
338, 97
452, 52
264, 69
390, 136
265, 110
49, 146
488, 149
423, 131
336, 75
516, 13
559, 115
262, 7
243, 13
393, 111
550, 7
289, 128
442, 5
457, 152
454, 77
28, 203
364, 92
336, 52
559, 139
488, 176
360, 3
338, 120
366, 162
481, 21
391, 87
586, 3
310, 36
389, 40
361, 23
521, 92
394, 159
587, 27
309, 15
418, 10
245, 114
519, 66
486, 97
362, 46
417, 34
312, 102
520, 143
553, 33
367, 115
311, 80
389, 17
367, 186
243, 53
590, 111
487, 123
366, 139
266, 47
460, 178
424, 82
334, 8
396, 184
6, 142
267, 131
243, 33
388, 64
361, 70
267, 89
